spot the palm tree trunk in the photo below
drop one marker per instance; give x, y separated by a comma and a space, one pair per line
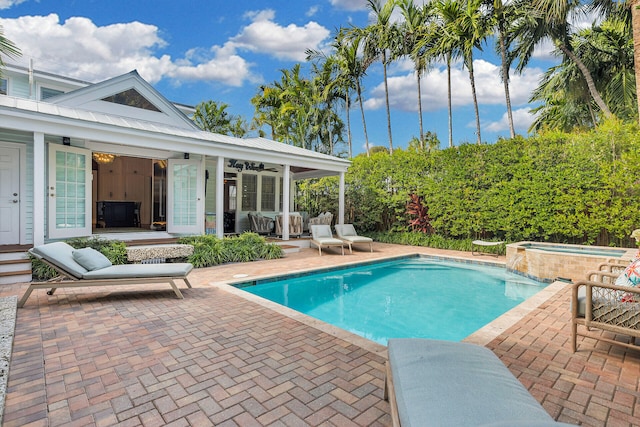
364, 123
588, 78
475, 98
505, 81
449, 100
420, 108
386, 96
635, 19
348, 123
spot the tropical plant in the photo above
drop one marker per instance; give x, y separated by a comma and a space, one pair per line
419, 219
416, 21
7, 49
543, 19
379, 41
213, 117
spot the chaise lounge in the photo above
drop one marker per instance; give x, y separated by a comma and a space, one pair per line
441, 383
88, 267
347, 232
321, 237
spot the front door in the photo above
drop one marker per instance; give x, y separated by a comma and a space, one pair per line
9, 195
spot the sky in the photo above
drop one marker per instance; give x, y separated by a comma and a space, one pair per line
199, 50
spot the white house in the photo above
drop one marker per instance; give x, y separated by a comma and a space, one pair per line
79, 159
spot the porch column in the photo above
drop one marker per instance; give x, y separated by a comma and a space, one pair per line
341, 199
220, 197
39, 189
286, 197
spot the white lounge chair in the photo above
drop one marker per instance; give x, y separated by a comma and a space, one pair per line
88, 267
323, 238
347, 232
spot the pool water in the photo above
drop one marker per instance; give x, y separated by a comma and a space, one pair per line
415, 297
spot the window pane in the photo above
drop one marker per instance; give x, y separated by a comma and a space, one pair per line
46, 92
3, 86
249, 192
268, 200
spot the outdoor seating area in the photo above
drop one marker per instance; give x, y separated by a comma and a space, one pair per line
217, 357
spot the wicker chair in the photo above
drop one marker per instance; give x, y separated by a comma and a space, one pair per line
598, 303
260, 224
295, 224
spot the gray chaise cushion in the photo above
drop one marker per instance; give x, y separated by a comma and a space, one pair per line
60, 254
441, 383
91, 259
126, 271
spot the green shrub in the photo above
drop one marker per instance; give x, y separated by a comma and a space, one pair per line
208, 250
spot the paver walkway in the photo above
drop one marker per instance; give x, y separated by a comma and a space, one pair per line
142, 357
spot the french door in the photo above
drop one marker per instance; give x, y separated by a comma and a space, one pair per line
69, 192
185, 207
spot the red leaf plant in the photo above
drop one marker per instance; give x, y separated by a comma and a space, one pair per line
420, 221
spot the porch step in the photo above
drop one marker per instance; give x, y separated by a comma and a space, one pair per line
290, 249
15, 267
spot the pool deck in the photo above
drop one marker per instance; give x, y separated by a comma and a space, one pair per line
221, 357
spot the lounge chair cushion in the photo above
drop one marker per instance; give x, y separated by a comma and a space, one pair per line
61, 254
346, 230
322, 232
126, 271
91, 259
457, 384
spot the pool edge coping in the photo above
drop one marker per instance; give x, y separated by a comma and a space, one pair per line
482, 336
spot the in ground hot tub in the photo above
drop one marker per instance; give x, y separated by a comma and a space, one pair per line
548, 261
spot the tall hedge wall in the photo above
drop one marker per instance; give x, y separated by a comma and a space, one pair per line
576, 188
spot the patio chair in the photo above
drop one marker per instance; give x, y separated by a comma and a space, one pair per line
295, 224
347, 232
604, 301
323, 218
88, 267
321, 237
260, 224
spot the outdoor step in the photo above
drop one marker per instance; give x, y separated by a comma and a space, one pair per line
21, 278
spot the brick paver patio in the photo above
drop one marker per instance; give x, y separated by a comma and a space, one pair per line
141, 357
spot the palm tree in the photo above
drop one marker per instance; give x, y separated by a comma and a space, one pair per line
441, 42
470, 29
501, 14
7, 49
551, 19
415, 22
379, 40
355, 68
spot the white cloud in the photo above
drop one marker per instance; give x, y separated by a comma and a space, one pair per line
522, 120
78, 48
6, 4
312, 11
489, 88
263, 35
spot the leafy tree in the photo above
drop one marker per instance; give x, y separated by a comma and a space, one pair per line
213, 117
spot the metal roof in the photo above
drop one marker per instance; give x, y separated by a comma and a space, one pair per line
27, 106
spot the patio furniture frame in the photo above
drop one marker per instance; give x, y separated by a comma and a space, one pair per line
596, 302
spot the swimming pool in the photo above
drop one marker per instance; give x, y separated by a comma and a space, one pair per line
412, 297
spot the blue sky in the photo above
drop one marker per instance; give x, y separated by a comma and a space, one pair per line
199, 50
